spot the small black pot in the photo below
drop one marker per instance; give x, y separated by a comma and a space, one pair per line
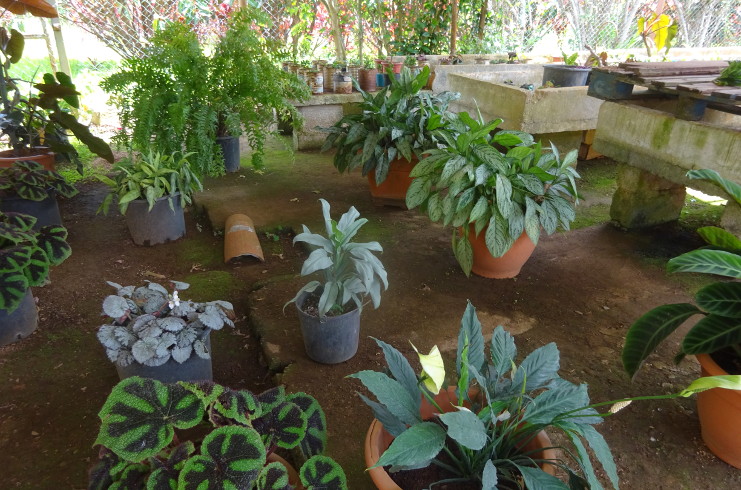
45, 211
230, 150
332, 339
19, 323
566, 75
160, 225
194, 369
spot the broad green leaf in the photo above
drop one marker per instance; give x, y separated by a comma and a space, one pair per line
712, 333
602, 451
465, 428
478, 209
721, 298
504, 195
539, 367
421, 442
322, 473
718, 262
401, 370
537, 478
733, 189
470, 335
503, 350
650, 330
392, 394
548, 405
418, 192
729, 382
463, 254
273, 476
532, 223
390, 422
718, 237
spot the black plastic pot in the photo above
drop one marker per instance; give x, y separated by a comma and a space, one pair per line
19, 323
45, 211
160, 225
566, 75
230, 150
332, 339
194, 369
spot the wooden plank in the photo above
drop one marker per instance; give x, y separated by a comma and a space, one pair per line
675, 68
674, 81
698, 87
727, 94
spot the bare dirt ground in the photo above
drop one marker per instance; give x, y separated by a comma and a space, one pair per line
581, 289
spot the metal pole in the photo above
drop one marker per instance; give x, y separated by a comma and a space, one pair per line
61, 50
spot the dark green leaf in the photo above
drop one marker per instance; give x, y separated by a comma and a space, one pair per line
718, 237
711, 334
401, 370
503, 351
392, 394
323, 473
418, 192
273, 477
706, 261
721, 298
421, 442
732, 188
315, 439
470, 335
465, 428
283, 426
537, 478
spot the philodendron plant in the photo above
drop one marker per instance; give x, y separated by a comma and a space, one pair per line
140, 447
30, 180
499, 407
150, 326
351, 271
26, 255
500, 184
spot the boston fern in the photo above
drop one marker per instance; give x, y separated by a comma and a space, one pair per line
392, 125
140, 449
350, 270
26, 255
504, 184
719, 303
30, 180
150, 326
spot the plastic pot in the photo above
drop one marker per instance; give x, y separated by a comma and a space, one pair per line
19, 323
566, 75
45, 211
194, 369
332, 339
230, 150
160, 225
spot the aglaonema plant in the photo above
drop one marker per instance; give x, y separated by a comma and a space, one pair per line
26, 255
141, 446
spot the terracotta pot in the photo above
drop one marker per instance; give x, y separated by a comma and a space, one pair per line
504, 267
393, 190
377, 440
40, 155
397, 66
720, 415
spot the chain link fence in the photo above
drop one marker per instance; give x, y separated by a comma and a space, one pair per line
126, 25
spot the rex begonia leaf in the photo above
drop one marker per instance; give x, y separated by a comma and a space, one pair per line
273, 477
322, 472
283, 426
238, 405
315, 439
53, 241
139, 417
231, 457
13, 287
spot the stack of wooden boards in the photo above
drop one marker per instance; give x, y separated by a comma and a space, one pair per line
691, 82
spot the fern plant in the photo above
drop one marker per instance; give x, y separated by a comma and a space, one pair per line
182, 94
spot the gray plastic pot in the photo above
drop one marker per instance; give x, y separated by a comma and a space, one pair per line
566, 75
45, 211
21, 322
194, 369
332, 339
230, 150
160, 225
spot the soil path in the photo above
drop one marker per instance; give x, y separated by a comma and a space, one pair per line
581, 289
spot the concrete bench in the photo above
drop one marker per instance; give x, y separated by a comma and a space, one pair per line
322, 110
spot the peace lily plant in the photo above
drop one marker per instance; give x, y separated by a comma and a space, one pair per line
498, 407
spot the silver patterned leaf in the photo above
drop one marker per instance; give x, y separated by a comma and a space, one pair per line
150, 331
140, 322
106, 336
171, 323
154, 303
114, 285
184, 309
115, 306
187, 336
124, 336
227, 306
179, 285
112, 354
157, 287
181, 354
167, 340
157, 361
125, 358
144, 350
200, 347
211, 318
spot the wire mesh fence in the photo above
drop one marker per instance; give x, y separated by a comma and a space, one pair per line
127, 25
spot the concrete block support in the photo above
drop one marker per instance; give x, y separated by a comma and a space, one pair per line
645, 199
322, 110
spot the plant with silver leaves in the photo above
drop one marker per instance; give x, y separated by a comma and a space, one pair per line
150, 326
351, 271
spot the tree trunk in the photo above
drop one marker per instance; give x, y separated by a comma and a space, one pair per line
453, 27
333, 9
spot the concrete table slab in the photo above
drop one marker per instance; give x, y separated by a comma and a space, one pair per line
322, 110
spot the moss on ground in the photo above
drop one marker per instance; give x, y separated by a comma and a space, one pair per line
211, 285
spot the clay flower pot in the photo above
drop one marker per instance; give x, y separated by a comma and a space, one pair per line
504, 267
720, 415
40, 155
377, 440
393, 190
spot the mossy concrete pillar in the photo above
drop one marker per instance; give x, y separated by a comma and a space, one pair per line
645, 199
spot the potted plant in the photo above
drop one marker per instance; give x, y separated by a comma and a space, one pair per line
27, 187
488, 427
498, 192
329, 310
367, 77
36, 124
155, 334
239, 433
184, 93
152, 189
26, 254
569, 74
386, 138
715, 339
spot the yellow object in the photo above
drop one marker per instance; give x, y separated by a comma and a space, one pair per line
433, 370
